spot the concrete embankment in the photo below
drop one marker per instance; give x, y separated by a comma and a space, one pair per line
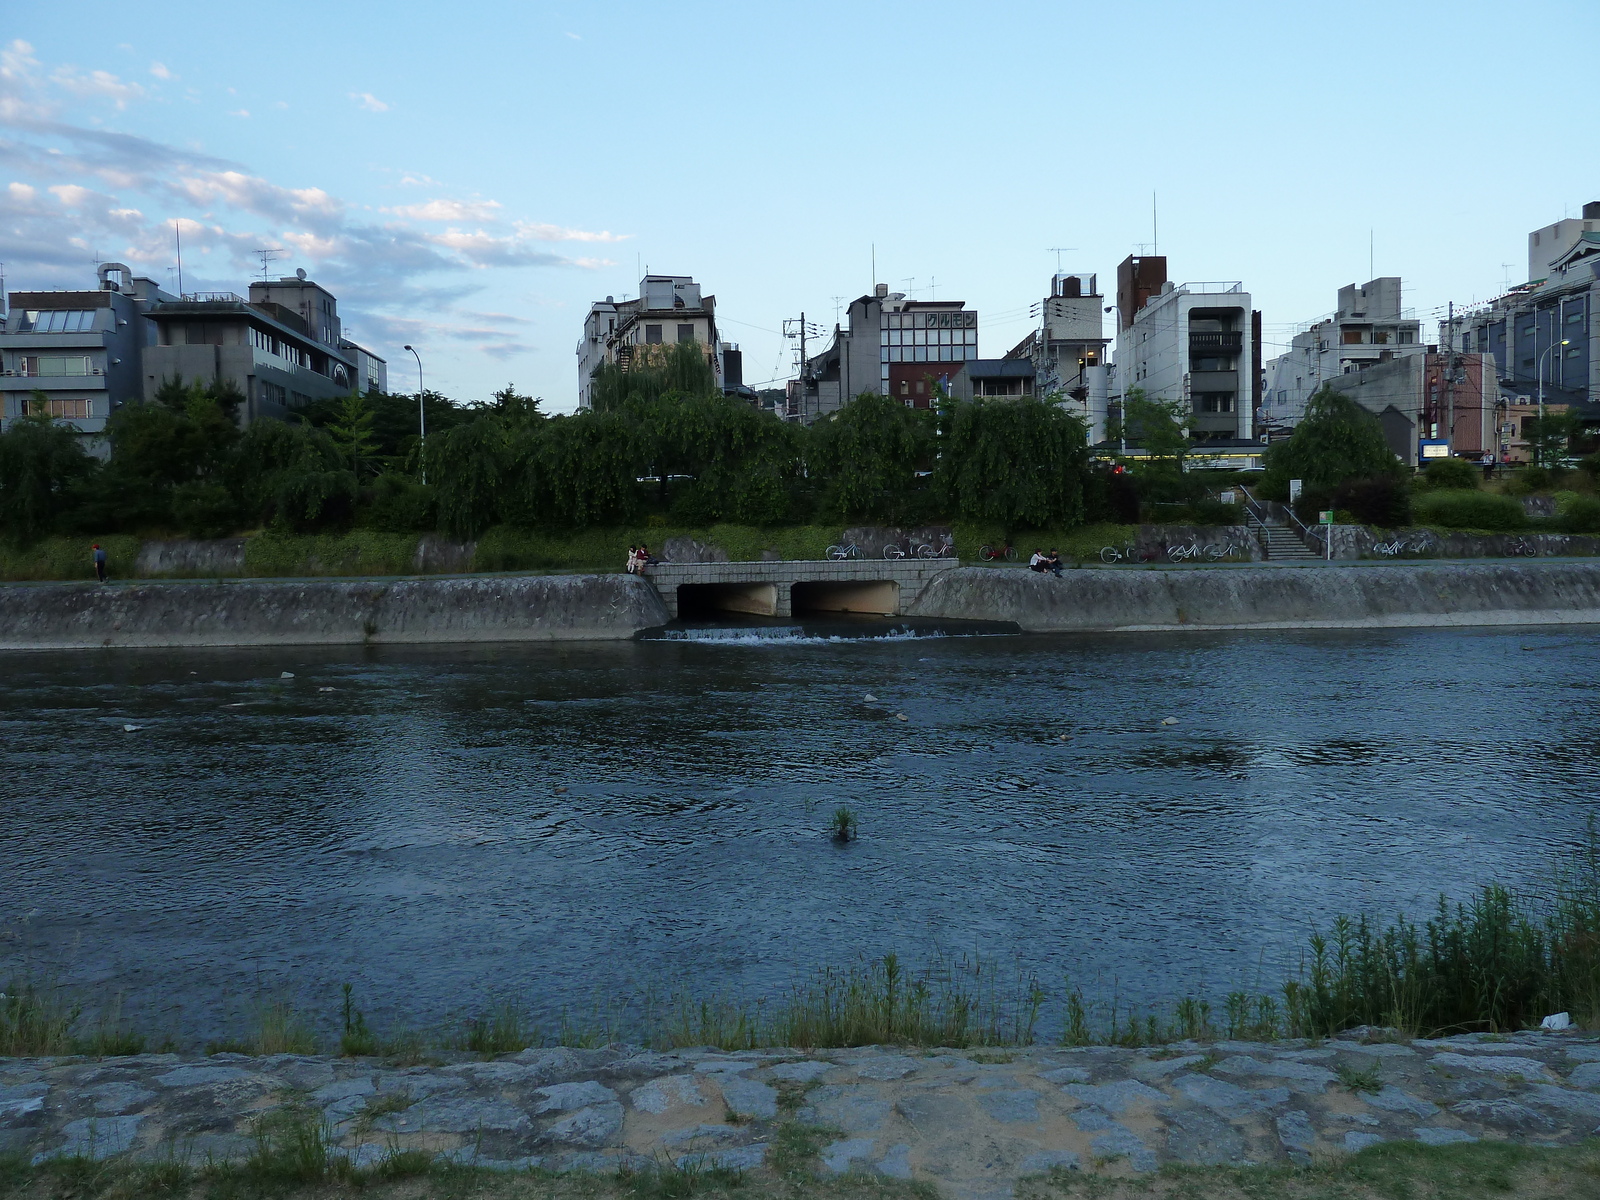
1335, 597
327, 612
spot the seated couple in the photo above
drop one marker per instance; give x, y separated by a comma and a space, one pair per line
639, 558
1041, 562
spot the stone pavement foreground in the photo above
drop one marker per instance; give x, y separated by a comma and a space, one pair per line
970, 1122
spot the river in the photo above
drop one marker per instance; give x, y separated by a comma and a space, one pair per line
564, 826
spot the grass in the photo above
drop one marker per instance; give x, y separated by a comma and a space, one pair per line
1356, 1079
41, 1021
279, 1029
843, 827
1396, 1171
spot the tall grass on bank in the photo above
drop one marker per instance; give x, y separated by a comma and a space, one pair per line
40, 1021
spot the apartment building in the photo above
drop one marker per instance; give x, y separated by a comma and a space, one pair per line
1196, 344
670, 310
82, 349
283, 348
1370, 326
908, 349
1543, 336
1069, 349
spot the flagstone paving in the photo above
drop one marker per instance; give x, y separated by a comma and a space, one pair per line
970, 1122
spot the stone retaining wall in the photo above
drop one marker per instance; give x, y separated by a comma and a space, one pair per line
971, 1122
261, 612
1290, 597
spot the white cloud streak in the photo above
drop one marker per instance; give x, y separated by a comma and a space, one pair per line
369, 102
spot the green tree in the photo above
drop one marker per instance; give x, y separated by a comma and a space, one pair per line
351, 431
468, 467
1336, 440
185, 436
41, 464
681, 368
866, 457
293, 477
1020, 463
1550, 437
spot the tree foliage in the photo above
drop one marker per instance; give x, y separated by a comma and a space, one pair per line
867, 456
1336, 440
41, 463
1020, 463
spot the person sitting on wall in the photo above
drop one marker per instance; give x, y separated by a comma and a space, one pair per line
633, 560
1053, 563
1038, 562
646, 559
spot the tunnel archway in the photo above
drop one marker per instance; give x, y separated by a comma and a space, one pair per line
875, 597
703, 601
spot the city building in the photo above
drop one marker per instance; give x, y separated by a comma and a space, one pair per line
282, 349
983, 378
1068, 350
1430, 404
670, 310
1543, 336
82, 349
1195, 344
908, 349
1369, 327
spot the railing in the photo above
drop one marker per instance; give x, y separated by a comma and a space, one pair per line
1263, 517
1224, 285
213, 298
1226, 342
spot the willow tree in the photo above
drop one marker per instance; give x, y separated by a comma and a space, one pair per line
1335, 441
1018, 462
41, 462
865, 458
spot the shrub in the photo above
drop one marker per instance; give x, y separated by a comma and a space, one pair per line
1215, 512
1580, 514
1469, 510
1381, 500
1443, 474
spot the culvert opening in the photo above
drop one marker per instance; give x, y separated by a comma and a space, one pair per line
699, 601
874, 597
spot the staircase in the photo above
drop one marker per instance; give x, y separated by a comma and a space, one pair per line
1281, 540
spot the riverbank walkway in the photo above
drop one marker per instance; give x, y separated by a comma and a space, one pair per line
971, 1122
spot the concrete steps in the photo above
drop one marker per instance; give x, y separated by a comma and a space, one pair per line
1283, 543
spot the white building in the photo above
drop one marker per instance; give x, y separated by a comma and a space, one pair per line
1196, 344
670, 310
1369, 327
1068, 350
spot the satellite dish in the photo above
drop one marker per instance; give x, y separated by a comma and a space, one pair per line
300, 274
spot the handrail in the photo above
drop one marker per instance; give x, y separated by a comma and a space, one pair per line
1253, 506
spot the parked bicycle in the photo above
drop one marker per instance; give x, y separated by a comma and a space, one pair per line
1126, 553
893, 551
1218, 551
1006, 551
1184, 553
843, 551
946, 548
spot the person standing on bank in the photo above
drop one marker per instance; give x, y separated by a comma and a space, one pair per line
99, 562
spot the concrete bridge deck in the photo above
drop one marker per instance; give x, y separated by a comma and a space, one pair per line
789, 589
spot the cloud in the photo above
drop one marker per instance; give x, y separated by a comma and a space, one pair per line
69, 190
160, 71
96, 83
239, 112
448, 210
369, 102
574, 37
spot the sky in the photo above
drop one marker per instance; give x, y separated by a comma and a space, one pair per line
469, 179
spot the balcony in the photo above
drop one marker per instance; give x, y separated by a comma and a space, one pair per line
1213, 381
1231, 342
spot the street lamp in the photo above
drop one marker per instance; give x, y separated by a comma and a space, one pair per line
1122, 403
1542, 357
422, 419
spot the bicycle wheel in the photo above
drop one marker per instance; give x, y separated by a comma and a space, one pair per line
837, 552
1110, 554
986, 553
1011, 554
926, 551
892, 552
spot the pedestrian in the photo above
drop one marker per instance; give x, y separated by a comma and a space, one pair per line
1488, 467
99, 562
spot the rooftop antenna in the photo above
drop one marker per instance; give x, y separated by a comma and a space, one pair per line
267, 256
1506, 271
1058, 251
908, 283
837, 301
177, 237
933, 287
874, 266
1371, 256
1155, 239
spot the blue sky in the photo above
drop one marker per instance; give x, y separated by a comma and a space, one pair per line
468, 178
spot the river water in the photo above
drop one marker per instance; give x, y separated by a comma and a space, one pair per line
562, 826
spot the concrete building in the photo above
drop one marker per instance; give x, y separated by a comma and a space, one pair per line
1543, 334
1068, 350
908, 349
282, 349
1196, 344
670, 310
1369, 327
1430, 404
83, 349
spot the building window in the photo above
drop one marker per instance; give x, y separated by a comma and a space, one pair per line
1381, 337
1575, 317
60, 321
54, 364
1407, 337
1573, 352
685, 333
1351, 337
905, 388
652, 335
1216, 402
55, 407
